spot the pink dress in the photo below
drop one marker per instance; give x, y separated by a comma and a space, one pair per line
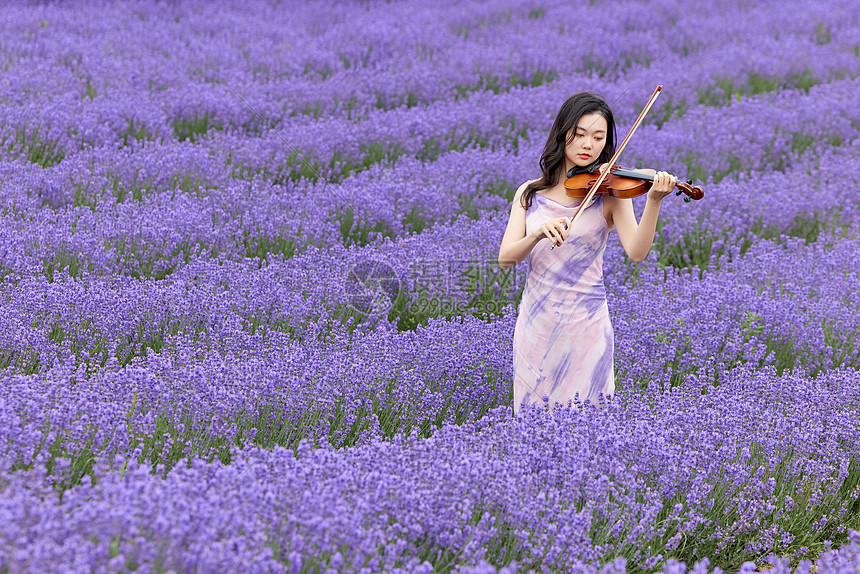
563, 339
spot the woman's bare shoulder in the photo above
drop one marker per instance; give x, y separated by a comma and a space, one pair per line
520, 191
525, 184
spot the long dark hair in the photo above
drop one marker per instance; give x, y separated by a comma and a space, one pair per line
568, 117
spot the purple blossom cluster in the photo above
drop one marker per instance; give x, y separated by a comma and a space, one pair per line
553, 493
251, 316
187, 207
216, 80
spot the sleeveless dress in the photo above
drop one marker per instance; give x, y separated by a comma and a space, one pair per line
563, 338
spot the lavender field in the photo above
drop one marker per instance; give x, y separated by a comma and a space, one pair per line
252, 317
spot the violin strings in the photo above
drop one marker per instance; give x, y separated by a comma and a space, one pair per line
632, 174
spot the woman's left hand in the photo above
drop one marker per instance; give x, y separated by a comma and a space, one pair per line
663, 185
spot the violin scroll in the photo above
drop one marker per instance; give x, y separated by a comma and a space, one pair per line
692, 191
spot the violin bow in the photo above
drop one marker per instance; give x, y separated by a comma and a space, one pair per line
618, 151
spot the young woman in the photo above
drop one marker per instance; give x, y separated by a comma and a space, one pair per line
563, 339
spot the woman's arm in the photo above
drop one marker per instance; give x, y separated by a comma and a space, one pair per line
515, 244
636, 238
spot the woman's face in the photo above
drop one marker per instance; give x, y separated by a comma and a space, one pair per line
585, 142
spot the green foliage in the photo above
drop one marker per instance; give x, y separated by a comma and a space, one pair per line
262, 322
416, 220
261, 246
822, 34
694, 250
492, 83
371, 154
314, 74
538, 78
670, 109
194, 128
500, 188
35, 149
693, 168
137, 132
23, 361
311, 110
148, 260
800, 142
65, 261
846, 347
750, 325
593, 65
724, 91
348, 63
357, 231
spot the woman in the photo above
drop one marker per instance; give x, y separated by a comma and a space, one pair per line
563, 339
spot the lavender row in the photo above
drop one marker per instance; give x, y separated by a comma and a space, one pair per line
802, 201
546, 104
677, 479
356, 76
193, 400
203, 213
184, 206
222, 106
444, 272
248, 347
782, 305
130, 189
332, 149
297, 296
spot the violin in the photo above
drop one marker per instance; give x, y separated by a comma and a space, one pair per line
624, 184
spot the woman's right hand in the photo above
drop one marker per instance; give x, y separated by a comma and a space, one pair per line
554, 229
